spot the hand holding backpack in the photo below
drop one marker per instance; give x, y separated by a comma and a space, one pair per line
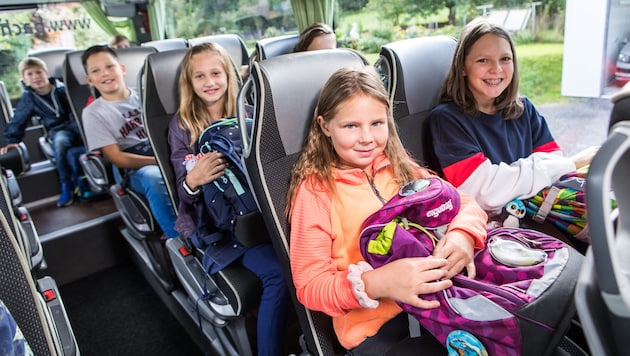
521, 300
232, 215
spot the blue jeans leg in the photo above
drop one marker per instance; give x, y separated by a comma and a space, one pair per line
72, 156
274, 303
149, 182
62, 140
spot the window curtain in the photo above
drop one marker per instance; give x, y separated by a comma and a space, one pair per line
125, 27
157, 19
93, 8
308, 11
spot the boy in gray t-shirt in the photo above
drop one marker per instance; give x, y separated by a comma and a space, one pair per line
113, 124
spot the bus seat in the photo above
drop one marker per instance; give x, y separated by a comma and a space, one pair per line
54, 59
413, 71
141, 230
232, 43
17, 159
167, 44
274, 46
7, 106
283, 109
236, 290
602, 293
36, 305
621, 106
21, 223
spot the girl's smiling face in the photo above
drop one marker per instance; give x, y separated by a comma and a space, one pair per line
488, 68
209, 79
358, 131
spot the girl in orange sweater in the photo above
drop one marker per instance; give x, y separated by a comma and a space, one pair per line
353, 162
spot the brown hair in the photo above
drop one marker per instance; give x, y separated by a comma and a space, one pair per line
117, 39
310, 33
193, 114
95, 50
455, 86
318, 156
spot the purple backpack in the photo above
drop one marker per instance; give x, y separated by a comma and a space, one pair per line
520, 302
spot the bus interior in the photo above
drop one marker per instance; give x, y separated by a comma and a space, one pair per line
96, 278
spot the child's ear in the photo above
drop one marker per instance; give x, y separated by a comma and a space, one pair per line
323, 125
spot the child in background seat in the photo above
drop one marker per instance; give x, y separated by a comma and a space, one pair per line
353, 162
490, 141
315, 37
113, 124
46, 97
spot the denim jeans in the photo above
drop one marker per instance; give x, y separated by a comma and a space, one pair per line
62, 140
149, 182
274, 303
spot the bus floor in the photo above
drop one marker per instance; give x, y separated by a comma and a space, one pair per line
115, 312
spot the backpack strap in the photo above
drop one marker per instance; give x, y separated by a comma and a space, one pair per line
547, 204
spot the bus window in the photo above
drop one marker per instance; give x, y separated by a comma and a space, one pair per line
62, 25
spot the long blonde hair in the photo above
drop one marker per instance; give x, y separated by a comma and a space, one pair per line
193, 114
318, 157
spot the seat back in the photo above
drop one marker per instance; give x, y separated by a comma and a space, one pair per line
54, 60
20, 221
35, 304
167, 44
232, 43
603, 289
17, 159
283, 110
274, 46
77, 87
413, 72
161, 102
19, 294
5, 102
236, 290
621, 108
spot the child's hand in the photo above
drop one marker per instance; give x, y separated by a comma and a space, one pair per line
584, 157
404, 280
6, 148
459, 251
207, 169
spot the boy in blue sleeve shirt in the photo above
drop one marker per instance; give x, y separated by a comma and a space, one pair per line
46, 98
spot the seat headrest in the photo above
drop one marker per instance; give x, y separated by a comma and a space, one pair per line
133, 59
76, 70
418, 68
624, 92
293, 100
276, 46
167, 44
5, 103
232, 43
162, 78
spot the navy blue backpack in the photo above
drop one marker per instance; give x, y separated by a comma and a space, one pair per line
228, 196
228, 200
